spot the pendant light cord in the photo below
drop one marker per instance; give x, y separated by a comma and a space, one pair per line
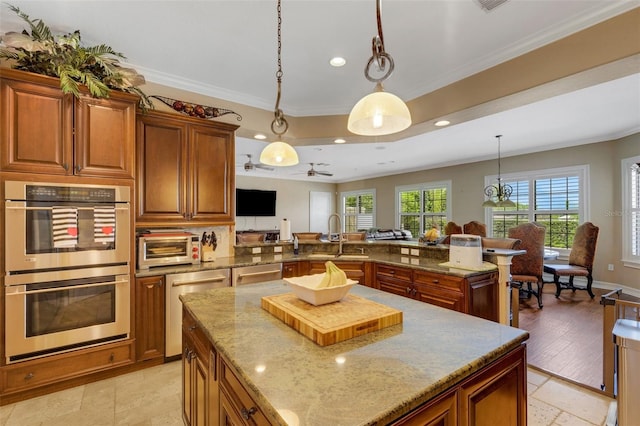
379, 56
279, 120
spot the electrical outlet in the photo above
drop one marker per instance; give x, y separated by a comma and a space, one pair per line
277, 249
404, 250
256, 259
610, 267
415, 252
256, 250
277, 257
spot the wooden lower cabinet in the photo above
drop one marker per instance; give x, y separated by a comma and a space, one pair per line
149, 321
353, 270
200, 392
495, 396
237, 407
290, 269
476, 295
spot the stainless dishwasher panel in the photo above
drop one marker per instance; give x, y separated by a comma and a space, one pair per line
178, 284
256, 274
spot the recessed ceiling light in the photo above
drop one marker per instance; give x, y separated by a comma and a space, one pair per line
337, 61
339, 140
259, 136
441, 123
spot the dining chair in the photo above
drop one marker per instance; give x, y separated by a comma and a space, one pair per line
475, 228
581, 259
527, 268
449, 229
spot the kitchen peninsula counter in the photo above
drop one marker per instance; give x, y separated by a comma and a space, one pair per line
371, 379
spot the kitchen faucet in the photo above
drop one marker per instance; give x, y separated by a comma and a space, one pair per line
337, 216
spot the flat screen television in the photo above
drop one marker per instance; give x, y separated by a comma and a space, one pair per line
255, 202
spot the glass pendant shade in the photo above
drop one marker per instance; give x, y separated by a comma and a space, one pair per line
379, 113
279, 154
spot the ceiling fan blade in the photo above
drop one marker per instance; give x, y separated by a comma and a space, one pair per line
324, 173
263, 167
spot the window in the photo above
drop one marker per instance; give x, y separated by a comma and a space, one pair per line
555, 198
630, 212
420, 206
357, 210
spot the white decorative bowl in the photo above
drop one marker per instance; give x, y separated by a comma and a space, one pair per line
304, 288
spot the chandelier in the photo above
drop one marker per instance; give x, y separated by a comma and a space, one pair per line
500, 192
379, 113
279, 153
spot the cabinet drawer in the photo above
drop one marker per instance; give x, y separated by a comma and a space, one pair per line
393, 272
65, 366
194, 332
239, 398
439, 280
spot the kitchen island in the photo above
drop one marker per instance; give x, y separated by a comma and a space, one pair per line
262, 369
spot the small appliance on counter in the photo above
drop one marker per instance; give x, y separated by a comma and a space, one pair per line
165, 247
465, 251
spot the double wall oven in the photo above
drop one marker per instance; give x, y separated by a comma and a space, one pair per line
67, 256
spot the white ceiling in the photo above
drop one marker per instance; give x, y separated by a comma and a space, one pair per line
227, 49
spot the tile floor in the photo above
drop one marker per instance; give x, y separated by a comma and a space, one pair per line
151, 397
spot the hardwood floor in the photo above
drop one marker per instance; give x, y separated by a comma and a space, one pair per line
566, 335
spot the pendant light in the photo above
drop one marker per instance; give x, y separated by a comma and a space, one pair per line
501, 192
379, 113
279, 153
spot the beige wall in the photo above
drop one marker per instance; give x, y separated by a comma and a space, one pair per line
292, 202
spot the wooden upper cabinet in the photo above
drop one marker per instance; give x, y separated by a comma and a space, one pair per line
185, 170
105, 132
47, 131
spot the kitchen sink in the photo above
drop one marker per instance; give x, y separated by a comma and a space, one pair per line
335, 256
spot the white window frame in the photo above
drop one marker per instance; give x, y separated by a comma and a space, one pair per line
628, 258
422, 187
583, 176
359, 192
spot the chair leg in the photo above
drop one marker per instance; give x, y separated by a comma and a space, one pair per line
589, 282
556, 280
539, 294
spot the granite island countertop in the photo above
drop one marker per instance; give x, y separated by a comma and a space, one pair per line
370, 379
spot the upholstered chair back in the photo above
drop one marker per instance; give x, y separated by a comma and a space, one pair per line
531, 236
583, 250
475, 228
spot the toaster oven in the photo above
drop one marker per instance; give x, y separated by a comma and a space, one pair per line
166, 249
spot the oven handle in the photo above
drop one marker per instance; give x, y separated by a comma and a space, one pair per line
51, 208
204, 281
47, 290
253, 274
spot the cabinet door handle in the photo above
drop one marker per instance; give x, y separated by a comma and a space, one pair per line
65, 166
408, 290
246, 414
29, 376
436, 281
78, 168
414, 291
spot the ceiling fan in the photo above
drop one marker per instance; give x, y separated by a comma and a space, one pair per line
313, 172
250, 165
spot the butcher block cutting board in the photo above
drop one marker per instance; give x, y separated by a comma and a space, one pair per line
334, 322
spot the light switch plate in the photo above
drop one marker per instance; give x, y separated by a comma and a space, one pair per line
415, 252
404, 250
277, 249
256, 250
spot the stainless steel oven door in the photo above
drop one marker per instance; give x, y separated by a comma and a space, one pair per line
52, 312
30, 244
